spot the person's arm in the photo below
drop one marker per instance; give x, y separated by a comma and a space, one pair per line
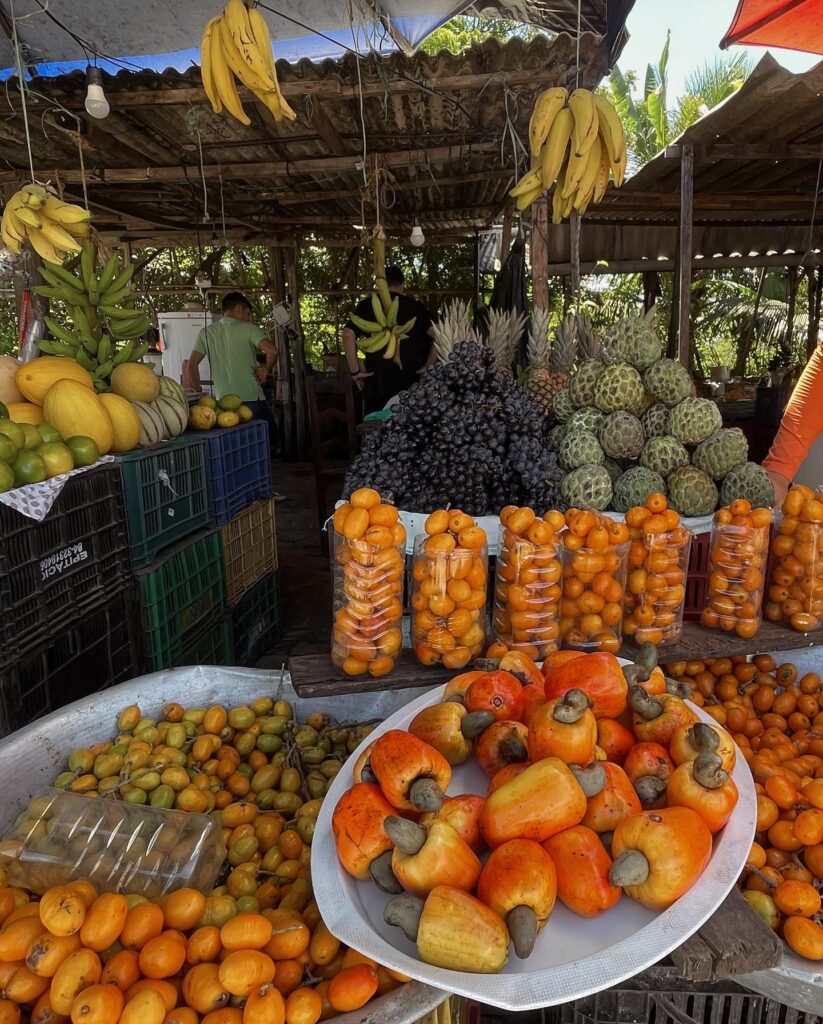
195, 359
352, 360
269, 350
801, 424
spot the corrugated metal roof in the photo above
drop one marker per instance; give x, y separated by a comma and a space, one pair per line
441, 129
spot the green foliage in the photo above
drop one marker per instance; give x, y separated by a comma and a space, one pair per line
463, 32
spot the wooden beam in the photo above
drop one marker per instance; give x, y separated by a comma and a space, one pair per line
290, 259
266, 169
685, 248
278, 289
417, 185
747, 151
540, 254
331, 87
666, 266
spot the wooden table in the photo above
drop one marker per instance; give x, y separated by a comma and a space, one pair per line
699, 643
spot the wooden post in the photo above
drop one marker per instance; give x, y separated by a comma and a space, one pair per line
684, 253
291, 257
277, 284
792, 282
540, 254
506, 232
574, 254
811, 330
476, 274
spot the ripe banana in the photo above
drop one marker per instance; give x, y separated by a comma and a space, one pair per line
391, 347
546, 108
222, 77
610, 127
581, 104
553, 154
58, 237
585, 189
42, 246
65, 213
524, 201
206, 70
602, 180
263, 40
530, 180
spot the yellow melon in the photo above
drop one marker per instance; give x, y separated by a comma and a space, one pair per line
75, 411
135, 381
125, 421
34, 379
25, 412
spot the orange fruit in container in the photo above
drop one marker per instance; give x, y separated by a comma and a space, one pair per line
795, 590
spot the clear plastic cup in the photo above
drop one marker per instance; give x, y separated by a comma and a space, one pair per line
368, 606
795, 593
527, 591
738, 557
656, 587
117, 846
448, 599
594, 593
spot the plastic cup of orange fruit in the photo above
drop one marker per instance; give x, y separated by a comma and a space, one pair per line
658, 564
738, 556
594, 556
450, 569
795, 592
528, 582
368, 565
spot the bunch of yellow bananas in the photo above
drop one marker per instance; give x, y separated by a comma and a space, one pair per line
577, 143
383, 332
237, 44
53, 227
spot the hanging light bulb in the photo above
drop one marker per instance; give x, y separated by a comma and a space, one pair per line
417, 237
96, 103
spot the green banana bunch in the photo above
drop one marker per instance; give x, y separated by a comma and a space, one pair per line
383, 332
104, 321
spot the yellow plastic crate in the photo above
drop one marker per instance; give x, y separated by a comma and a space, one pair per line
249, 548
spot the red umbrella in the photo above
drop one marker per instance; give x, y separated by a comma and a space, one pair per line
792, 24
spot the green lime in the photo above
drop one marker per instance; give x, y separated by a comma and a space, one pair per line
8, 449
230, 402
14, 431
57, 457
29, 468
6, 477
32, 436
84, 450
4, 412
48, 433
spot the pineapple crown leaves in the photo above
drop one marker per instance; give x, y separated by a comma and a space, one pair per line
539, 349
564, 347
453, 328
505, 328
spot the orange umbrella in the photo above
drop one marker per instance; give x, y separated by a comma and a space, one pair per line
792, 24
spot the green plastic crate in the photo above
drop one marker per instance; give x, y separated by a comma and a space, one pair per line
212, 645
256, 621
180, 592
167, 495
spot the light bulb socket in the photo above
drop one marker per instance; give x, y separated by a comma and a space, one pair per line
94, 76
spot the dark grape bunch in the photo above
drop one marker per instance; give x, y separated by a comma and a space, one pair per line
465, 437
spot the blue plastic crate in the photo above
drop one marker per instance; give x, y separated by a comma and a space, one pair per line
239, 468
167, 495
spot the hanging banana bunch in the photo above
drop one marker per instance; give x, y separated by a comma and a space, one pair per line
383, 332
577, 144
105, 323
237, 44
52, 227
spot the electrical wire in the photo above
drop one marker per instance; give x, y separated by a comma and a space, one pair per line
309, 29
18, 60
89, 49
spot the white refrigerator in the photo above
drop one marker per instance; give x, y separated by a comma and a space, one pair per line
178, 333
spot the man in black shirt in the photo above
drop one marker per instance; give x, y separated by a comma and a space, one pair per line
383, 378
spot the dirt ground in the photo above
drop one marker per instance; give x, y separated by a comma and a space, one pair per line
305, 577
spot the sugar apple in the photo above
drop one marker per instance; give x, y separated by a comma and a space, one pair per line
582, 382
633, 341
586, 418
614, 468
588, 486
580, 448
562, 407
655, 421
721, 452
555, 436
749, 481
664, 455
634, 487
694, 419
691, 491
668, 381
620, 387
621, 435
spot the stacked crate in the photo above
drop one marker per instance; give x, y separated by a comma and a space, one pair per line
69, 624
184, 496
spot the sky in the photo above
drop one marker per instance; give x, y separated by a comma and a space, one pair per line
697, 28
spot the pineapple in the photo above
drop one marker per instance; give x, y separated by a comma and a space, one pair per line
453, 327
563, 354
539, 378
505, 329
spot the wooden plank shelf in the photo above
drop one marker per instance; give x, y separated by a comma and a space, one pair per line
699, 643
313, 675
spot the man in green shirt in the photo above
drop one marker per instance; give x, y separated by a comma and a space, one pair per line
232, 346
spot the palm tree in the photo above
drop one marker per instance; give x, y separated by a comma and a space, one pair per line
650, 124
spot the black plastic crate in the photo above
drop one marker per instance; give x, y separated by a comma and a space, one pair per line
53, 572
256, 621
102, 649
210, 645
